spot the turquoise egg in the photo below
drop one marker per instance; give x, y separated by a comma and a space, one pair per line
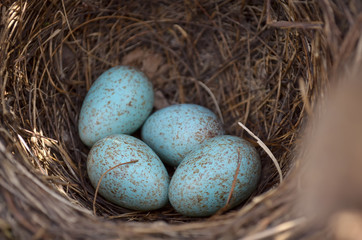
119, 101
202, 182
142, 185
174, 131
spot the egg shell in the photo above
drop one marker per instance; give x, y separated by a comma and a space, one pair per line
174, 131
139, 186
201, 184
119, 101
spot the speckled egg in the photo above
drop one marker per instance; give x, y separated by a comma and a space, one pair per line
202, 182
119, 101
174, 131
142, 185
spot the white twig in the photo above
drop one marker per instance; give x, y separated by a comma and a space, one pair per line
213, 99
276, 230
266, 149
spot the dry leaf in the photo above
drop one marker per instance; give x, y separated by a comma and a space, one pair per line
160, 100
135, 56
152, 64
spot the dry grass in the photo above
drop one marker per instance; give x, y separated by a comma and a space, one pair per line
261, 63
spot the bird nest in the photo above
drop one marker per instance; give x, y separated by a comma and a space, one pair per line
259, 64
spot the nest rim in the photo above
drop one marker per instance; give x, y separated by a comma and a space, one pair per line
44, 153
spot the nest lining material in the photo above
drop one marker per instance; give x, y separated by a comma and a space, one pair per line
260, 63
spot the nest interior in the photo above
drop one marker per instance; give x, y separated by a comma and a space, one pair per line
256, 62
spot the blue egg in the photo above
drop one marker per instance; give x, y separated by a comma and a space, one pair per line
174, 131
142, 185
202, 182
119, 101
